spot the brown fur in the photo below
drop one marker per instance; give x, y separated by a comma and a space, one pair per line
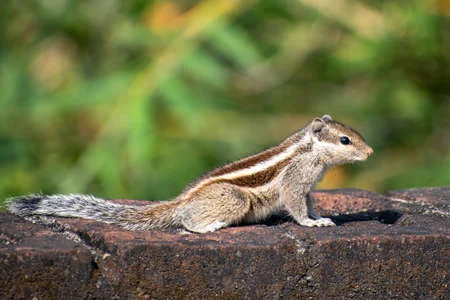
240, 164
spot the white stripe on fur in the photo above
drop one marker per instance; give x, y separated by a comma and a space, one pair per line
259, 167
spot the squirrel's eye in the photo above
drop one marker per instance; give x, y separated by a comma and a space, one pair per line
345, 140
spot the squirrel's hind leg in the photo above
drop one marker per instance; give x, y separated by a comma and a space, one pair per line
214, 207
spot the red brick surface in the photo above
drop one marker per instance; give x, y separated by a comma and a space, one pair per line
385, 247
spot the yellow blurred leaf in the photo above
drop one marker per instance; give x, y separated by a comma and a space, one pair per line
334, 178
442, 7
164, 16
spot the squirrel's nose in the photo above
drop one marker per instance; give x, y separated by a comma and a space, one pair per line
369, 151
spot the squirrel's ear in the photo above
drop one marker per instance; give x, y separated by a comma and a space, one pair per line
327, 118
317, 125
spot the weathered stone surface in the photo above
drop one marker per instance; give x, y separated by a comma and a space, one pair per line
384, 247
34, 261
425, 200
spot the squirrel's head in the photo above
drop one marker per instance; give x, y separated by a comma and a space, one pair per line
337, 143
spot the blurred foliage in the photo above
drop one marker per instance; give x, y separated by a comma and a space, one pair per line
137, 98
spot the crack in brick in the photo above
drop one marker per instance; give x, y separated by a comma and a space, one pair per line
65, 231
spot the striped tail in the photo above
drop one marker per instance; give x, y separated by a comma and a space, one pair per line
130, 217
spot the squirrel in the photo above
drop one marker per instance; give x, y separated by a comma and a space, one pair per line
245, 191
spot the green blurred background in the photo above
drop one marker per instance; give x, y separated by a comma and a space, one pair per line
135, 99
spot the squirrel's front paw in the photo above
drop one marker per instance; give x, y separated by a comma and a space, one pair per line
321, 222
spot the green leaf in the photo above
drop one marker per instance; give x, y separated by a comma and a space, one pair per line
236, 44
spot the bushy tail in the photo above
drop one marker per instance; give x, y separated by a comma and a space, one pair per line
89, 207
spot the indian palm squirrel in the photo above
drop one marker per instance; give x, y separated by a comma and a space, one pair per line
247, 190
